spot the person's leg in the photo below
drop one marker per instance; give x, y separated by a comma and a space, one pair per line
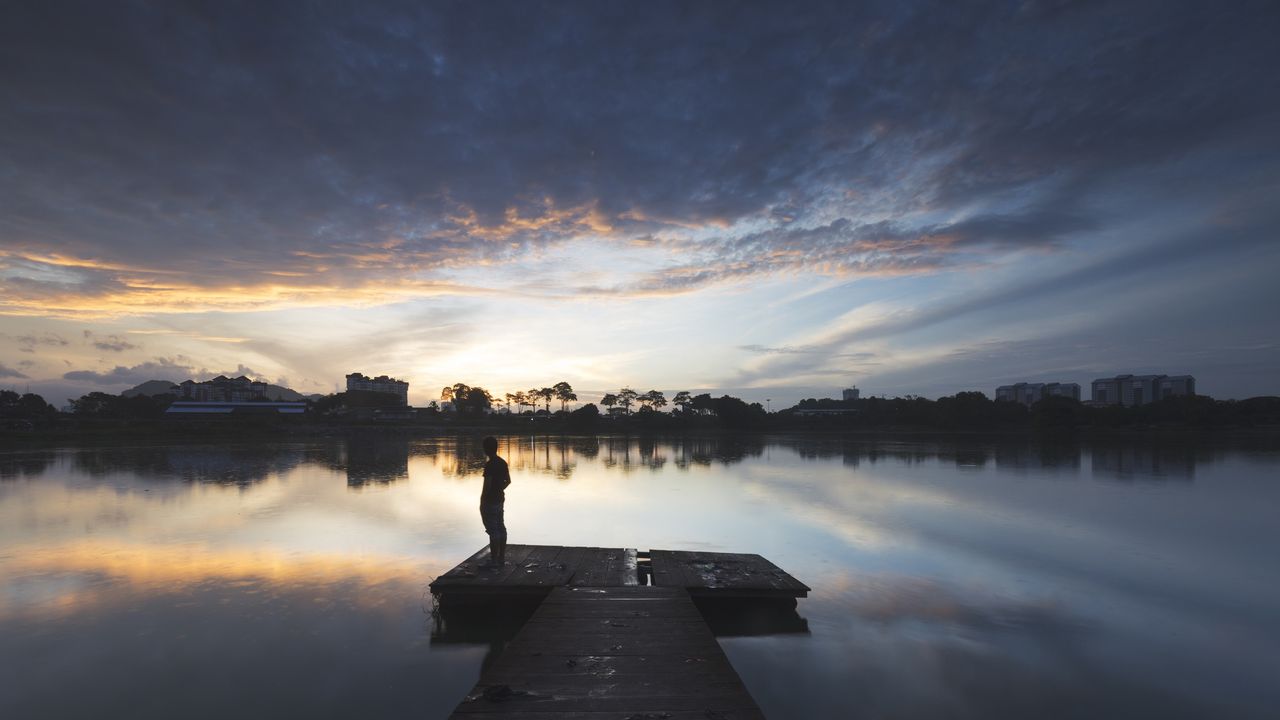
501, 535
491, 529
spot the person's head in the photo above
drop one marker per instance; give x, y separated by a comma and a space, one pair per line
490, 445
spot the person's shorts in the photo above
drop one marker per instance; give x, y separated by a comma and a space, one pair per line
491, 515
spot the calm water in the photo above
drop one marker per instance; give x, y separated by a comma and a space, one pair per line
958, 580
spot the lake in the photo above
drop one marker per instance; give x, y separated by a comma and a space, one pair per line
951, 578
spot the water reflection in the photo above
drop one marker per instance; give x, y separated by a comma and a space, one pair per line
952, 576
380, 462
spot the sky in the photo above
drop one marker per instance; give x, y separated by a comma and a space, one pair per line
771, 201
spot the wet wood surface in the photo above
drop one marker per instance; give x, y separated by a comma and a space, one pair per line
723, 574
535, 569
592, 652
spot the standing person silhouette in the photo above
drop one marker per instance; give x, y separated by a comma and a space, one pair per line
492, 498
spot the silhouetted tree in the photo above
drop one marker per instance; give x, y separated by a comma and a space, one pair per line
609, 400
138, 407
547, 394
654, 400
564, 393
470, 400
585, 416
627, 398
683, 401
27, 406
702, 404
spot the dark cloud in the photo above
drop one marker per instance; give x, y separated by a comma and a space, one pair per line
108, 343
8, 372
29, 342
234, 145
171, 369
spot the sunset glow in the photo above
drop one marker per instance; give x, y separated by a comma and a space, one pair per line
772, 207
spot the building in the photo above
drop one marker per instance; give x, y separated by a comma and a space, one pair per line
850, 393
224, 389
1031, 393
381, 384
1177, 386
1134, 390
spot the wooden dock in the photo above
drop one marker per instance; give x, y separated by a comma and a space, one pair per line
621, 652
616, 632
533, 570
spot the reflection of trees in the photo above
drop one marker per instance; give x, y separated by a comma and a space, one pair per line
220, 464
26, 465
725, 449
380, 462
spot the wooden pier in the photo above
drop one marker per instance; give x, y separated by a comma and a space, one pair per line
616, 633
533, 570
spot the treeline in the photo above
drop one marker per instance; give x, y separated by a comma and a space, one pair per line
974, 410
24, 410
629, 409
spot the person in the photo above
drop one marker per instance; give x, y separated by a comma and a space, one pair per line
492, 500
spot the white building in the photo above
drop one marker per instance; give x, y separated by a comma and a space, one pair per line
380, 384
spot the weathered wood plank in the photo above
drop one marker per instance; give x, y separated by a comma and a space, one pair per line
538, 568
706, 573
607, 661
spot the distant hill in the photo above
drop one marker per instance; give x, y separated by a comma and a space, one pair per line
152, 388
164, 387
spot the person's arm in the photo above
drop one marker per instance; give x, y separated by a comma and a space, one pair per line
506, 475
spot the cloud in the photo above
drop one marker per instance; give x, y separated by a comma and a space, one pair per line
8, 372
171, 369
108, 343
29, 342
174, 369
866, 357
339, 163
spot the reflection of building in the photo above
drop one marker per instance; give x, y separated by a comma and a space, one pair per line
381, 384
379, 461
850, 393
1129, 461
1132, 390
1030, 393
224, 389
1023, 457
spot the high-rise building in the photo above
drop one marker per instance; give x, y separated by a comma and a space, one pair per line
850, 393
224, 389
1030, 393
380, 384
1133, 390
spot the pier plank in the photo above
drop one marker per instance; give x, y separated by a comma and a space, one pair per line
723, 574
586, 654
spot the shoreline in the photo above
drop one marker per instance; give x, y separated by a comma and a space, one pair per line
164, 433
